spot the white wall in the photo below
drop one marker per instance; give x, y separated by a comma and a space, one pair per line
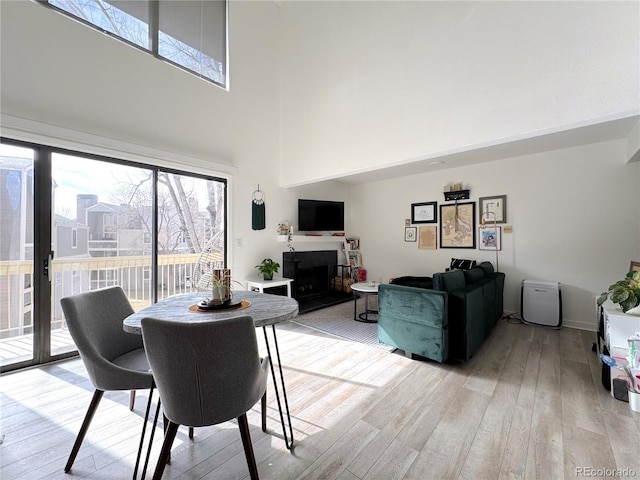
574, 214
369, 84
76, 88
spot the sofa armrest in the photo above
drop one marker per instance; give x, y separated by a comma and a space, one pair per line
466, 321
417, 305
415, 320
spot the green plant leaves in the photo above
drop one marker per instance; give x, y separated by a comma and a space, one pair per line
268, 267
625, 293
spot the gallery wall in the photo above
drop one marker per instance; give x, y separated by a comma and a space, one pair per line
574, 214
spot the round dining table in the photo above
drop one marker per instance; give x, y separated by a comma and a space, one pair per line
265, 309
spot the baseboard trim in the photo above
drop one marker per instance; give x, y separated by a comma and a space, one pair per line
568, 323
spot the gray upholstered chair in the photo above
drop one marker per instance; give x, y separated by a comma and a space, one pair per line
114, 359
207, 373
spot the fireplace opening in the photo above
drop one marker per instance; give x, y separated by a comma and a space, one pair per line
312, 281
312, 273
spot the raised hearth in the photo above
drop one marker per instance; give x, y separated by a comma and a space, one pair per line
313, 273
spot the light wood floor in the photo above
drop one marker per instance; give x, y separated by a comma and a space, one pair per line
529, 405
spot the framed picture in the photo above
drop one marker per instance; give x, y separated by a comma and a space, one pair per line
490, 238
410, 234
458, 225
428, 239
634, 266
496, 205
424, 212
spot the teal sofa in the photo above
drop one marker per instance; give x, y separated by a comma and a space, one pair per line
446, 317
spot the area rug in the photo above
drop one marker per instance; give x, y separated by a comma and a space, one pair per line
338, 321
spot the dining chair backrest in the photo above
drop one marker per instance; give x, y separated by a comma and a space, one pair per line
207, 372
94, 320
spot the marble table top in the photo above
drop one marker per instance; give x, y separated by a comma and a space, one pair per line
265, 309
364, 287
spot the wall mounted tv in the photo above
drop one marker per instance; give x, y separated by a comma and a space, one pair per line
316, 215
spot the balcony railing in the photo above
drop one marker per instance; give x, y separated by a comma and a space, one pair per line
76, 275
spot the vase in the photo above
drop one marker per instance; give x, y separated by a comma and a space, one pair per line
218, 293
634, 311
221, 289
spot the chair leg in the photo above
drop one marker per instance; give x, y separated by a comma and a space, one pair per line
165, 426
263, 407
248, 447
144, 429
132, 400
169, 436
93, 406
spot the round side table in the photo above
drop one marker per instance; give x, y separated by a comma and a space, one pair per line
366, 289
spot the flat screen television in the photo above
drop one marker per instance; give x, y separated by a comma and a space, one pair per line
316, 215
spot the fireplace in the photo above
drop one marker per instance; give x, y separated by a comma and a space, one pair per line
312, 273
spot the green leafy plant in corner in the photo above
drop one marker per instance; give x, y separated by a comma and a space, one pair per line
625, 293
268, 267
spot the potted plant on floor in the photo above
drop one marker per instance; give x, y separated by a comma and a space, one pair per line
267, 268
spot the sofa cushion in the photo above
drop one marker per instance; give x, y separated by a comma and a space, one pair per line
448, 281
474, 275
410, 281
486, 267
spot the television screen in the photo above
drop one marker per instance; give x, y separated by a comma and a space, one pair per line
316, 215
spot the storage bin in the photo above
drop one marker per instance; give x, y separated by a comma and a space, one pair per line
342, 284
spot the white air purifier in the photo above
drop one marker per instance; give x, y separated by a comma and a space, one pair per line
541, 303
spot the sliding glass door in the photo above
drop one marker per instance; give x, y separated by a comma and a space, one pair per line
100, 235
72, 223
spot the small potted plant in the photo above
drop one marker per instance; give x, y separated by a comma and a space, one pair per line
267, 268
625, 293
283, 228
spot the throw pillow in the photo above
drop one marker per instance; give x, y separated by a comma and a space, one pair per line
462, 264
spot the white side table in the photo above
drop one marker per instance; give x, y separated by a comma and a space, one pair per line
366, 289
260, 285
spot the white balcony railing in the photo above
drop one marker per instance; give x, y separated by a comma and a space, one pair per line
75, 275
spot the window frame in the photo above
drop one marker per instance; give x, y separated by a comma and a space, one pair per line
41, 289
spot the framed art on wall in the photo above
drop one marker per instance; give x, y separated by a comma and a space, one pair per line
410, 234
496, 205
424, 212
458, 225
490, 238
428, 238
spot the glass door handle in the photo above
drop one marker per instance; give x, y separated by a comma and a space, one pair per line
47, 265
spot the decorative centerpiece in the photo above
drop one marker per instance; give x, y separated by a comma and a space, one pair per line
625, 293
218, 282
